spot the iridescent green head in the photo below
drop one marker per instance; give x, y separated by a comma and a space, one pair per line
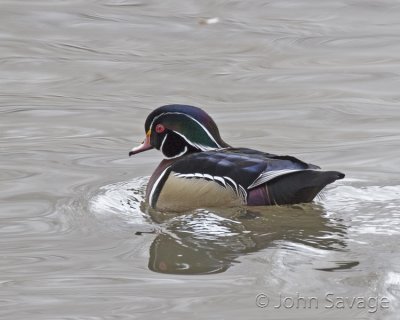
177, 129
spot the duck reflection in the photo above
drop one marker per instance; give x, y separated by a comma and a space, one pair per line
210, 241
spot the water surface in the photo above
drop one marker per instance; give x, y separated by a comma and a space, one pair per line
317, 80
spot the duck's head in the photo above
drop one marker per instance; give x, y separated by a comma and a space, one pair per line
177, 129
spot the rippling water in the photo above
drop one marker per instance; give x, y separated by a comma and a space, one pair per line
318, 80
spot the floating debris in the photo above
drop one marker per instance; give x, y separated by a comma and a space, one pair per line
209, 20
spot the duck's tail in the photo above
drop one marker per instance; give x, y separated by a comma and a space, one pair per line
300, 187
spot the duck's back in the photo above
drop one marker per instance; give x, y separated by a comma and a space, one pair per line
235, 176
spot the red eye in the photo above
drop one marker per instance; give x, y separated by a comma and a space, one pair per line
160, 128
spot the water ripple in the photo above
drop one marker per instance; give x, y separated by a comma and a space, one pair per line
123, 199
372, 209
300, 77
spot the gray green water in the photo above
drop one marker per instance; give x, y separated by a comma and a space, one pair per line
315, 79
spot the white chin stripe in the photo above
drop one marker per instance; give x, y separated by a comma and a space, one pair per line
178, 155
173, 157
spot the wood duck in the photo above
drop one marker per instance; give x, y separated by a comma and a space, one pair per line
200, 170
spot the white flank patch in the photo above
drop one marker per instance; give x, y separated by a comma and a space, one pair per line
225, 181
